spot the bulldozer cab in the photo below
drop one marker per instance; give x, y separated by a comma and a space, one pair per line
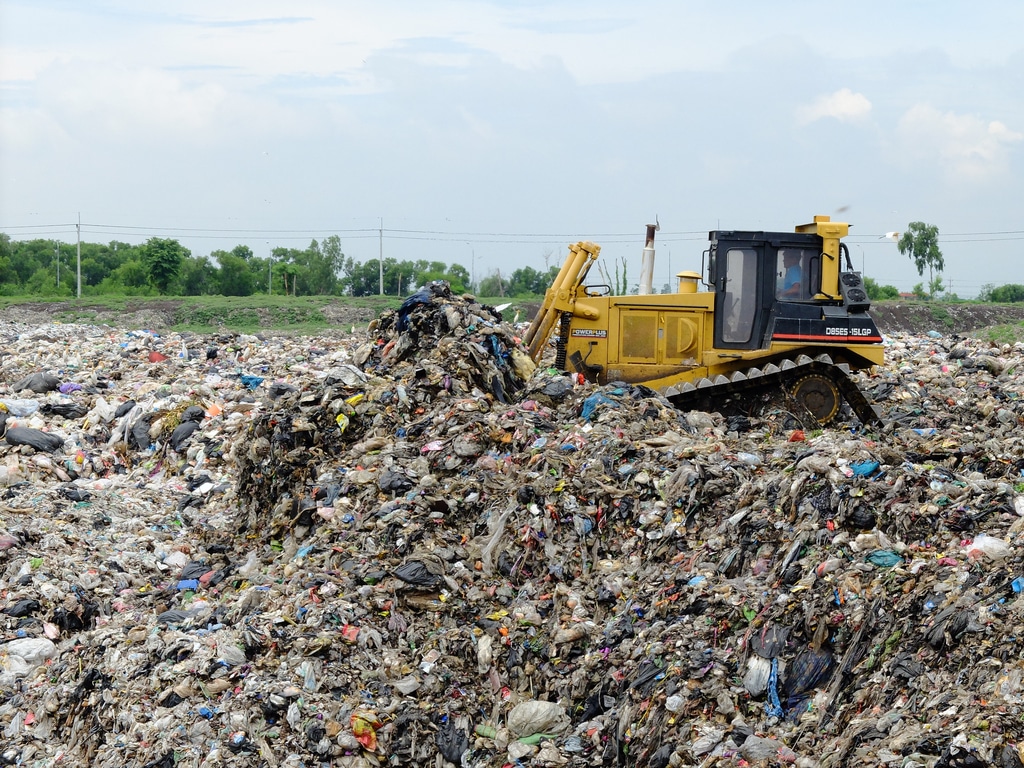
751, 272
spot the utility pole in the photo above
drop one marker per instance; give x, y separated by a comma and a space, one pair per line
56, 255
78, 227
270, 270
380, 256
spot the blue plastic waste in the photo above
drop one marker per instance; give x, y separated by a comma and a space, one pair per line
884, 558
773, 707
251, 382
864, 468
591, 403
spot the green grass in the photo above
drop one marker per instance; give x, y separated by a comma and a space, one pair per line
941, 315
1010, 333
206, 314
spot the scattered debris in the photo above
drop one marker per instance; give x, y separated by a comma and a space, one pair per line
411, 547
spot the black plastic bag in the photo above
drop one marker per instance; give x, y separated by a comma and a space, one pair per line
22, 608
661, 758
41, 441
393, 482
194, 570
124, 408
279, 388
452, 742
807, 671
166, 760
37, 382
646, 677
172, 617
959, 757
770, 641
417, 574
72, 493
193, 413
181, 433
66, 410
140, 433
422, 296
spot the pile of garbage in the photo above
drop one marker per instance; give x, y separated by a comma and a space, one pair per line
409, 547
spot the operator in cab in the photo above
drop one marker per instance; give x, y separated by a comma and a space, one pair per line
791, 284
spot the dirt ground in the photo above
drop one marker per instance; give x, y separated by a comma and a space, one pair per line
962, 319
892, 317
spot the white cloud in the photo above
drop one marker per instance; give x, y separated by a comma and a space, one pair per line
965, 147
843, 105
125, 101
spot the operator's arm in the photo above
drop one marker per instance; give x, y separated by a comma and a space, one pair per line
792, 282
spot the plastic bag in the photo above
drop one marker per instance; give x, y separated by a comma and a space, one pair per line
809, 669
769, 641
181, 433
591, 403
759, 669
959, 757
41, 441
65, 410
452, 741
884, 558
391, 481
536, 716
37, 382
416, 573
19, 407
22, 608
988, 546
34, 650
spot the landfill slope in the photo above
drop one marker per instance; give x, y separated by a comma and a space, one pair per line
160, 314
919, 318
410, 548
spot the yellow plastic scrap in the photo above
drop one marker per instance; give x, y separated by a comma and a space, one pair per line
364, 727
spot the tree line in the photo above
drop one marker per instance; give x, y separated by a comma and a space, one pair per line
43, 267
161, 266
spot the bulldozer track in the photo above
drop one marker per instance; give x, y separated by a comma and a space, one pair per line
775, 381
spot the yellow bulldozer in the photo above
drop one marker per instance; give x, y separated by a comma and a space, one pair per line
772, 317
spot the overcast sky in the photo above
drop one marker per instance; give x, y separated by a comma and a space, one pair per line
494, 134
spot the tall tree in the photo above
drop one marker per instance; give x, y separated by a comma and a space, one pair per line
1011, 293
162, 259
131, 277
199, 276
7, 273
322, 264
921, 243
364, 279
243, 252
234, 277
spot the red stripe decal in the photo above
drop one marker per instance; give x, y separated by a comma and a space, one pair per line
832, 339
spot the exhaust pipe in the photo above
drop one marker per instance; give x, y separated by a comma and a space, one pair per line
647, 262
